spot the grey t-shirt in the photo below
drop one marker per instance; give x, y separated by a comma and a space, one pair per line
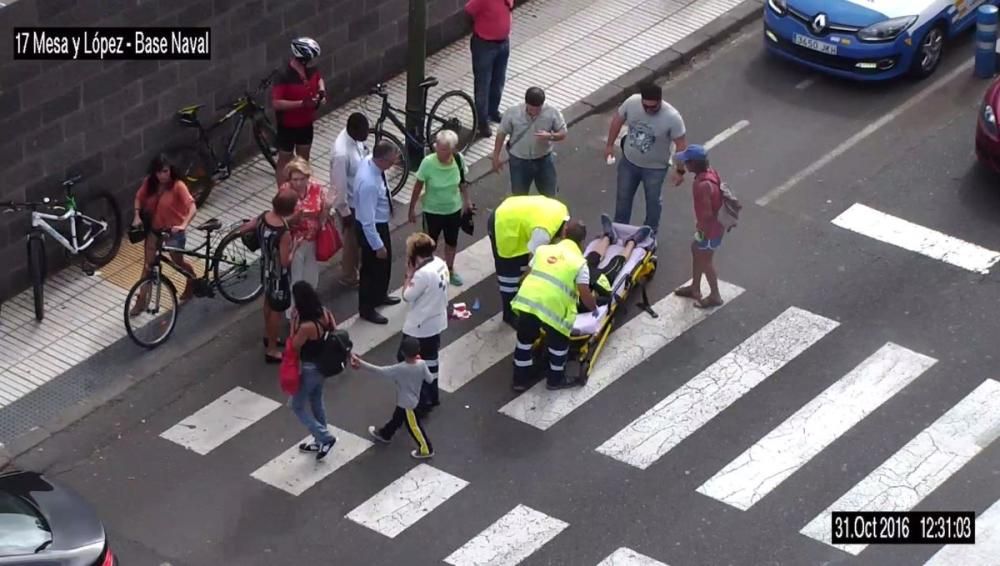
520, 129
408, 379
649, 142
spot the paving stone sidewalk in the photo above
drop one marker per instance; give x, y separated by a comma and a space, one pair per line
571, 48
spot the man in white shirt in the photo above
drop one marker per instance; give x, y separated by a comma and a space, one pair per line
425, 291
349, 150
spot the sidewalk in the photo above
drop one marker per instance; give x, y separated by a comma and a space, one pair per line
571, 48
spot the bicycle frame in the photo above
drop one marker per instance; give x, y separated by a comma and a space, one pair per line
389, 112
38, 221
241, 108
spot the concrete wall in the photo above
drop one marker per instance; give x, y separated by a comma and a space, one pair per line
106, 119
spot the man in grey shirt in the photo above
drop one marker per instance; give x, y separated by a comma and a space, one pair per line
409, 376
653, 128
531, 128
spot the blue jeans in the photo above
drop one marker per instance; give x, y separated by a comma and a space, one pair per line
629, 177
311, 390
489, 69
541, 171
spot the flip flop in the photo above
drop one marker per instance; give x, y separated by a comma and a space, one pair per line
704, 304
687, 292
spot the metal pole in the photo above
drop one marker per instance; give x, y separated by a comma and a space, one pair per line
986, 41
416, 55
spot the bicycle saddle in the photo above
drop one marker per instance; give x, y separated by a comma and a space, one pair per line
210, 225
188, 115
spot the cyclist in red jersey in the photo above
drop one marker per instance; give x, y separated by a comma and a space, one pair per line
298, 91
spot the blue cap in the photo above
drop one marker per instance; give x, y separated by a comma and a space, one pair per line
693, 152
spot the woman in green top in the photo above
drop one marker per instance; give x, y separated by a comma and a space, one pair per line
445, 196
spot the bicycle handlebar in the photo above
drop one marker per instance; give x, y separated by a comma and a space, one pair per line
379, 89
265, 82
11, 206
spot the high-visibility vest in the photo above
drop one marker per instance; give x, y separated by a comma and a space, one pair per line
549, 290
518, 216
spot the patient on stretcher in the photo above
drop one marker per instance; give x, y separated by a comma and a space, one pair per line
603, 288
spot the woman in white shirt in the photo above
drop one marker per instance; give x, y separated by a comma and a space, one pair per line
425, 290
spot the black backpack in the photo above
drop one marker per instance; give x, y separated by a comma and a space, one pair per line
335, 353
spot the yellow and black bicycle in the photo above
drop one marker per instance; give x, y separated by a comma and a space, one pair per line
198, 163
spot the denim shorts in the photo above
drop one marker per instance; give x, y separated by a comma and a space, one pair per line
705, 244
178, 240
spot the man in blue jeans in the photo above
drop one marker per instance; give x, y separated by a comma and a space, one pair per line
491, 21
653, 127
530, 129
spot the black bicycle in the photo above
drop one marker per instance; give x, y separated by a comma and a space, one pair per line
454, 110
91, 229
199, 164
151, 305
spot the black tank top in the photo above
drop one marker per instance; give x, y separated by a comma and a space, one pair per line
311, 349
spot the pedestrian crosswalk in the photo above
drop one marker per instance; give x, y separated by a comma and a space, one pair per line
518, 529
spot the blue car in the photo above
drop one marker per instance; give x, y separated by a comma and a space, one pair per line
867, 39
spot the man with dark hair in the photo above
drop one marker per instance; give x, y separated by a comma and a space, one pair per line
707, 193
349, 151
373, 212
653, 128
557, 279
528, 130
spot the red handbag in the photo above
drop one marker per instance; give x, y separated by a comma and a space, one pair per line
328, 242
288, 373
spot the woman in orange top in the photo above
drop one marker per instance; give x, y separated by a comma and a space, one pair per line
163, 203
312, 210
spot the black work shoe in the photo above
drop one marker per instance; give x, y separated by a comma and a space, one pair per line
373, 317
564, 384
389, 301
519, 387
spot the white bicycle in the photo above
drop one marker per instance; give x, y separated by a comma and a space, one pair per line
91, 229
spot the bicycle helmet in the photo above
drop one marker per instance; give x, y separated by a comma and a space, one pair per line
305, 48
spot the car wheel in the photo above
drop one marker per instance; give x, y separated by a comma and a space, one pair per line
927, 57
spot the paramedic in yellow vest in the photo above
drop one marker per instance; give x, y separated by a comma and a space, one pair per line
558, 278
516, 228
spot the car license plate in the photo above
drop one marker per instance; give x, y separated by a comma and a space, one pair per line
815, 45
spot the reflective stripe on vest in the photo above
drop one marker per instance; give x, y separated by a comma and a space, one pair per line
549, 292
571, 291
552, 318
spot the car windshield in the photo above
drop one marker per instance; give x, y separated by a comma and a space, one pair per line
22, 528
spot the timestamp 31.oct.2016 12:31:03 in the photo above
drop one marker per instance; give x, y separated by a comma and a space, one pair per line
909, 527
111, 43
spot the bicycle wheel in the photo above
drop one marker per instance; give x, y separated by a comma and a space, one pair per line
237, 270
454, 111
267, 140
395, 177
36, 269
195, 168
105, 242
154, 323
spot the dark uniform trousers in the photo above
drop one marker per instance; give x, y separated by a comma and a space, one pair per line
429, 348
509, 272
374, 274
528, 329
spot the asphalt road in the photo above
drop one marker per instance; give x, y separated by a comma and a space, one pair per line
165, 504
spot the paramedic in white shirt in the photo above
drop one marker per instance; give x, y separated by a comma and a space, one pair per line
349, 150
425, 291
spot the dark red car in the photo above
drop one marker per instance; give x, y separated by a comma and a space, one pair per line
987, 129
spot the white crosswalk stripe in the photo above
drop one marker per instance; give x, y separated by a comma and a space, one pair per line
759, 470
636, 341
507, 542
986, 551
220, 420
294, 472
407, 500
923, 464
475, 352
628, 557
701, 399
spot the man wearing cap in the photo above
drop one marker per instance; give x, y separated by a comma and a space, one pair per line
557, 279
516, 228
707, 193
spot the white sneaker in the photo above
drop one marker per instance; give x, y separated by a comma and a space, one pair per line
416, 454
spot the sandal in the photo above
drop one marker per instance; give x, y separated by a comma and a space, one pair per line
687, 292
707, 304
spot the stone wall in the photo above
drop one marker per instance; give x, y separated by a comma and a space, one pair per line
106, 119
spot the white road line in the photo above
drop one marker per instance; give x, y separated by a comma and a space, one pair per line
220, 420
407, 500
769, 462
920, 467
475, 352
475, 263
860, 136
294, 471
626, 347
507, 542
628, 557
726, 134
913, 237
986, 551
701, 399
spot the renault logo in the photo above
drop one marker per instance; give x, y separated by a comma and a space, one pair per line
819, 23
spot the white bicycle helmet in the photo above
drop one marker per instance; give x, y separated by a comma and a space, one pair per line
305, 48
